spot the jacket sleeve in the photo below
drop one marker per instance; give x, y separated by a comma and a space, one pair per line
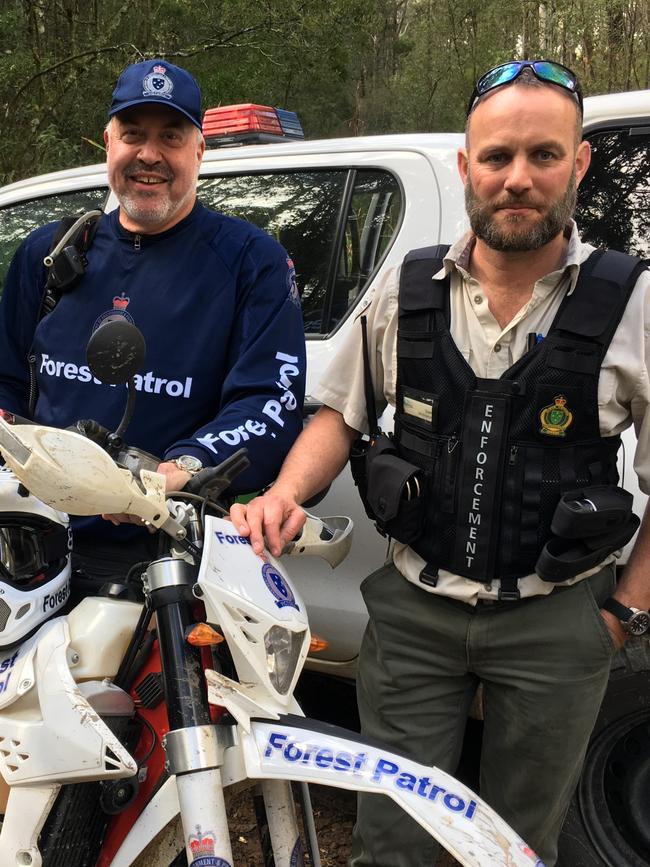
21, 297
263, 391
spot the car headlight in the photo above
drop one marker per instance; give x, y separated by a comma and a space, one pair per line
282, 654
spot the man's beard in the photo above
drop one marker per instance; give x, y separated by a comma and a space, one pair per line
516, 235
153, 210
147, 214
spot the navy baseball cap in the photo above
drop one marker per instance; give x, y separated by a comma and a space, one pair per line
157, 81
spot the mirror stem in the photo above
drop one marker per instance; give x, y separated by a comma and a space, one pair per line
128, 411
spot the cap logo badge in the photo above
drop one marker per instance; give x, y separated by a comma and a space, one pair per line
157, 83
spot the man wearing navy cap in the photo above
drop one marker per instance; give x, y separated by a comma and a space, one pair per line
214, 296
154, 102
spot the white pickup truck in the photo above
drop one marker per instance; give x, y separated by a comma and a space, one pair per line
346, 210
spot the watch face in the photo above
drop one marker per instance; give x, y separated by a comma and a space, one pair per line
189, 463
639, 623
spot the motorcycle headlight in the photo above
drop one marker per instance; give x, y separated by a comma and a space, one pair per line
282, 654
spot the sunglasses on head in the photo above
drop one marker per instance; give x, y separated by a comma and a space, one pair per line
546, 70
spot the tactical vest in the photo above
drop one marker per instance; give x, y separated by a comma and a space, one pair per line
495, 455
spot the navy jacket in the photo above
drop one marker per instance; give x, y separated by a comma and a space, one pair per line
215, 299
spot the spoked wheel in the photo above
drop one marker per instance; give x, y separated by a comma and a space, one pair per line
609, 819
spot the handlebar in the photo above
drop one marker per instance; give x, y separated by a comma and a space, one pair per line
213, 481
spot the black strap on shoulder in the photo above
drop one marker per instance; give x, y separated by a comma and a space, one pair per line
66, 260
417, 288
369, 391
65, 263
595, 307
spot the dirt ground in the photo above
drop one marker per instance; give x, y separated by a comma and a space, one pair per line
334, 811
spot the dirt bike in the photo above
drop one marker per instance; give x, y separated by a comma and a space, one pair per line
110, 729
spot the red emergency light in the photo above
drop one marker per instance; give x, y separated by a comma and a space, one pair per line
248, 123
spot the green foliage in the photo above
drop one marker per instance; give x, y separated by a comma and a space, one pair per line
347, 66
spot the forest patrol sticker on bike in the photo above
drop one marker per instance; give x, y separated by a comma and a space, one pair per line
369, 763
279, 588
157, 83
556, 418
202, 846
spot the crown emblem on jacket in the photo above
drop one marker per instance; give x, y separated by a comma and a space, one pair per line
120, 302
202, 844
556, 417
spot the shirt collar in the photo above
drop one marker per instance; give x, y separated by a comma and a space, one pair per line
458, 256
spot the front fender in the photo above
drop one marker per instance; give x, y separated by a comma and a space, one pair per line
302, 749
295, 748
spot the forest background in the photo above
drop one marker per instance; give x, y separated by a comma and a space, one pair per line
348, 67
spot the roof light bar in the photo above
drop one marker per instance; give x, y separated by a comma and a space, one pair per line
249, 123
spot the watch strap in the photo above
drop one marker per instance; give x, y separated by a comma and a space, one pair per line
617, 609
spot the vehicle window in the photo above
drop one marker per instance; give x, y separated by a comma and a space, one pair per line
370, 225
614, 198
18, 220
303, 210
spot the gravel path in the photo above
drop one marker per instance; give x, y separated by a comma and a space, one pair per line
334, 811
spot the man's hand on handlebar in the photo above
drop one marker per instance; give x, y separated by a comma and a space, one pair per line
275, 516
175, 480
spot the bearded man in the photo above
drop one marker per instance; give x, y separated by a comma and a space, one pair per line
513, 360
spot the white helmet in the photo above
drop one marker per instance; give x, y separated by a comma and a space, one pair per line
35, 547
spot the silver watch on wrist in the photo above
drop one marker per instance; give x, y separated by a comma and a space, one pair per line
634, 621
188, 463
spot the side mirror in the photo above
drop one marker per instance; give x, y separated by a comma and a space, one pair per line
116, 351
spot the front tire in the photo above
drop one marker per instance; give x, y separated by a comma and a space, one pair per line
608, 823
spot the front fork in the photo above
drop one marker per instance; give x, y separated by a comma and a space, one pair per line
195, 747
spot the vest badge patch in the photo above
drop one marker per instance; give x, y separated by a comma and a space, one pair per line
556, 418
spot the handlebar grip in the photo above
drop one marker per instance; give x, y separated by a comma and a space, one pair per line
92, 430
213, 481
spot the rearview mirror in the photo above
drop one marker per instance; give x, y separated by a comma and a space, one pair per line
116, 351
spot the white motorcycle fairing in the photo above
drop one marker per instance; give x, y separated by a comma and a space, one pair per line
55, 734
49, 735
249, 595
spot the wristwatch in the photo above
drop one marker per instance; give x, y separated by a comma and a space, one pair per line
188, 463
633, 620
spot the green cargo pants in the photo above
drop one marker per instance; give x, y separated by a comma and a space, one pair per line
544, 664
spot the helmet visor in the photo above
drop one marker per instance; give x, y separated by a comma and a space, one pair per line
22, 558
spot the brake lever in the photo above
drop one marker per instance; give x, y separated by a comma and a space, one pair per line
211, 482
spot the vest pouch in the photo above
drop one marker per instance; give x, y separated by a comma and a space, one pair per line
564, 558
362, 454
591, 511
395, 489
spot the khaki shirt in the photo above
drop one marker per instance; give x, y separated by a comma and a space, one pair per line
623, 387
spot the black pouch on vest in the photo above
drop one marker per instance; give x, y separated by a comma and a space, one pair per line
591, 511
362, 453
395, 496
589, 524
